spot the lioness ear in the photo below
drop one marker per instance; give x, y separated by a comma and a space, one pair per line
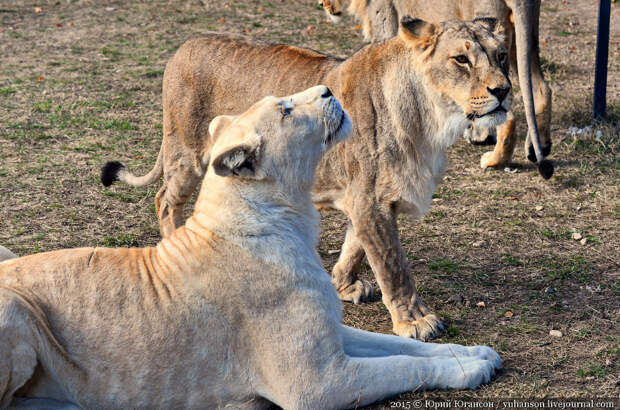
417, 30
216, 126
219, 123
492, 25
240, 160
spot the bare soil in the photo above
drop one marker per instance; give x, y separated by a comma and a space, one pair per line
80, 84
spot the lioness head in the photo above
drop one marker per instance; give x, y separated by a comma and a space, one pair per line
466, 62
279, 140
333, 8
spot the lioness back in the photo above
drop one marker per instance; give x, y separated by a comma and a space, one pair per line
217, 68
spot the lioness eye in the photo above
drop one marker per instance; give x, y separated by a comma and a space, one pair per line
461, 59
502, 57
285, 110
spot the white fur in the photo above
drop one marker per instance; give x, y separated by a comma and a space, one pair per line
242, 279
6, 254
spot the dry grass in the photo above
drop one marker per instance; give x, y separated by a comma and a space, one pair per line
80, 84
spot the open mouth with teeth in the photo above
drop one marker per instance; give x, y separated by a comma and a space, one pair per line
472, 115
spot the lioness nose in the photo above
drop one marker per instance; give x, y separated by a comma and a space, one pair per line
499, 92
327, 93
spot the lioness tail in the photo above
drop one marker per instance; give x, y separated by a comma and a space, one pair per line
115, 171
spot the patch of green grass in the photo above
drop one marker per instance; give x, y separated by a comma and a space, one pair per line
7, 90
511, 260
120, 240
444, 265
113, 124
584, 333
42, 106
573, 268
110, 52
593, 369
154, 73
119, 195
554, 235
452, 331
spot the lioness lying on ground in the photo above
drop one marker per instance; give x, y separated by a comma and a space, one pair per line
6, 254
233, 309
409, 98
517, 20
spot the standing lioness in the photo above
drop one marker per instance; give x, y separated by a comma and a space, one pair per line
409, 98
233, 310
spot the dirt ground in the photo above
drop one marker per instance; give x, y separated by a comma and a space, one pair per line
80, 84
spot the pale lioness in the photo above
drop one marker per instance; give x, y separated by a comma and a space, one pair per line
6, 254
409, 98
518, 20
232, 310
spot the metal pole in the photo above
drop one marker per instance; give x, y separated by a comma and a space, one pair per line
600, 69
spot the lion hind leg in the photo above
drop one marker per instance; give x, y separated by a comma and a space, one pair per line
172, 197
26, 342
17, 336
542, 106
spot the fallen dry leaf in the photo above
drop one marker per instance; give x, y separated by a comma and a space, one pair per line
481, 304
38, 9
508, 314
39, 79
222, 20
58, 24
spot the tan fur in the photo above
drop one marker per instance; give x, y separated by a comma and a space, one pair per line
408, 98
380, 18
233, 310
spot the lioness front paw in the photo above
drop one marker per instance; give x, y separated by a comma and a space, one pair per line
359, 291
485, 353
471, 374
489, 159
425, 328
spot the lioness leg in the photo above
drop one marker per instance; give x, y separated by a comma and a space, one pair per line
353, 382
18, 358
542, 105
377, 230
360, 343
173, 195
38, 404
541, 92
344, 274
506, 140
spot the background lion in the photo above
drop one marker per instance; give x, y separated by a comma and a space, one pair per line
233, 310
518, 21
409, 98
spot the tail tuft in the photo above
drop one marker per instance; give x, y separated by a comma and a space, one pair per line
110, 171
545, 167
